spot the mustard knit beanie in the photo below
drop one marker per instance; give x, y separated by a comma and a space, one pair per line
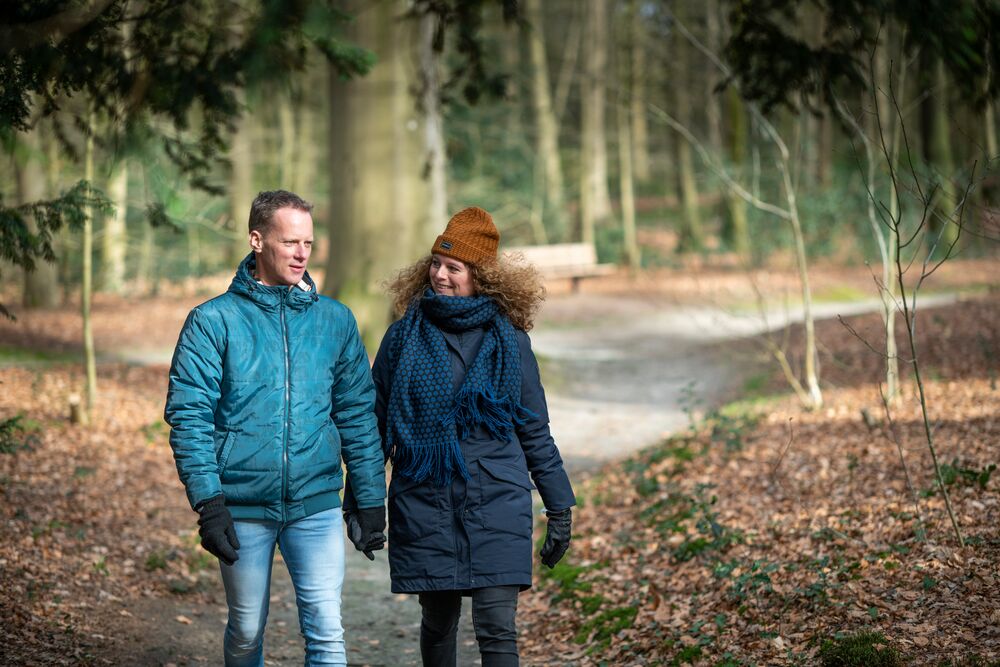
470, 237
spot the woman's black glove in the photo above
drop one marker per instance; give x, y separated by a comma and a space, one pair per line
366, 529
557, 536
218, 534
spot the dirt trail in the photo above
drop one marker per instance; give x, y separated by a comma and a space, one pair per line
621, 372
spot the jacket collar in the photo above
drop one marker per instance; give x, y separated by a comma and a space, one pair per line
270, 297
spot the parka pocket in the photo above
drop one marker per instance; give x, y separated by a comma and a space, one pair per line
506, 497
414, 510
225, 451
332, 436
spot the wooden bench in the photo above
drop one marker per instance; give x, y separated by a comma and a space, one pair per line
574, 261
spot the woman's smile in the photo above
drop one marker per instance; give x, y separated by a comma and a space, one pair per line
450, 277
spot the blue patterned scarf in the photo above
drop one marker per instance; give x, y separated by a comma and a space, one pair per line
425, 418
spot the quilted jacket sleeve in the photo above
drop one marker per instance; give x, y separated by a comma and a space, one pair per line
192, 397
353, 413
544, 462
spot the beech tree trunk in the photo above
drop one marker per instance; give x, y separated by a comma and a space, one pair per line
595, 202
41, 287
379, 201
241, 189
546, 127
114, 241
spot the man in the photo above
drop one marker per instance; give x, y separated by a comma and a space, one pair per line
269, 388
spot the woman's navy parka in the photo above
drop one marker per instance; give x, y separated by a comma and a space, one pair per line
474, 533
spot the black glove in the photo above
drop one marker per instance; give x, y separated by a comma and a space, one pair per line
218, 534
557, 536
366, 529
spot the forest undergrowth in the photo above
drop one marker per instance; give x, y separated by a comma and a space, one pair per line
766, 534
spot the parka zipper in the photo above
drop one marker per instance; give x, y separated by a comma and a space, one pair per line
288, 411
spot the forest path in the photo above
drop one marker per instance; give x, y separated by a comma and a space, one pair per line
619, 372
622, 373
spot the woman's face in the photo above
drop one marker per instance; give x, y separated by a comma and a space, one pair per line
450, 277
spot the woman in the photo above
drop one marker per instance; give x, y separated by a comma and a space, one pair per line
463, 418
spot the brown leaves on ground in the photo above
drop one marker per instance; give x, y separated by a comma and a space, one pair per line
91, 516
764, 531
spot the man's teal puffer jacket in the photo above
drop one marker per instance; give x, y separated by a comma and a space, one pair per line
269, 388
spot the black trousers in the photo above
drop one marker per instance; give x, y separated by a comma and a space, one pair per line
493, 612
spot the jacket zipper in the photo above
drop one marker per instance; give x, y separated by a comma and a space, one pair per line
288, 410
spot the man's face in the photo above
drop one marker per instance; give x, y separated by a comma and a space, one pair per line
283, 249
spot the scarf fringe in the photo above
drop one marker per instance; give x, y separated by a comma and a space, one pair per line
438, 462
474, 407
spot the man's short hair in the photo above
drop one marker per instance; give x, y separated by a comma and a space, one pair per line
266, 203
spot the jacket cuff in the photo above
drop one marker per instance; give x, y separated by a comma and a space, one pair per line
201, 489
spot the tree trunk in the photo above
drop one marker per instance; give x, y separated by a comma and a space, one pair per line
86, 288
241, 189
626, 85
571, 52
434, 146
288, 149
41, 285
595, 202
309, 119
824, 152
690, 236
378, 200
713, 42
990, 123
887, 135
811, 354
144, 266
943, 221
115, 239
547, 131
736, 231
640, 86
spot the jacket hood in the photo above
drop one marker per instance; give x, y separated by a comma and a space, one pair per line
270, 297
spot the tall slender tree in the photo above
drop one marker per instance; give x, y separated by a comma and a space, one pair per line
433, 125
595, 201
626, 88
546, 127
640, 89
114, 237
942, 158
690, 238
40, 284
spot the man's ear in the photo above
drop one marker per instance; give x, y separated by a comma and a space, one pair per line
256, 241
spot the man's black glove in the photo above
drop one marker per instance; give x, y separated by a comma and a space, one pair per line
218, 534
366, 529
557, 536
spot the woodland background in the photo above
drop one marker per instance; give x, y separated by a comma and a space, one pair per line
753, 157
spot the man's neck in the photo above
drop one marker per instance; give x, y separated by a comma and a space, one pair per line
302, 284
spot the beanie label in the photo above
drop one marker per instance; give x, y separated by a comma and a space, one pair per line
446, 245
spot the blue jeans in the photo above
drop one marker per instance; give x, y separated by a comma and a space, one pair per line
313, 549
